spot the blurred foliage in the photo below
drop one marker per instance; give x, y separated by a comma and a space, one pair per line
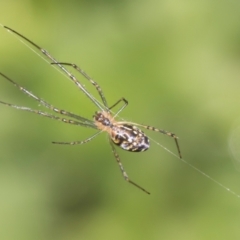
177, 63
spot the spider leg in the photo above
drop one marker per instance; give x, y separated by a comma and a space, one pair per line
163, 132
98, 88
46, 104
80, 142
60, 67
125, 105
122, 169
45, 114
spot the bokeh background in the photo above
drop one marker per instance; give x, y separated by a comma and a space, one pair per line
178, 64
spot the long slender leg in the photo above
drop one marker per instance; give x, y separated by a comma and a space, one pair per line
44, 114
61, 67
122, 99
122, 169
79, 142
125, 105
100, 92
46, 104
163, 132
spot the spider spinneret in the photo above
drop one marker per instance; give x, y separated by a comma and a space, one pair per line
126, 135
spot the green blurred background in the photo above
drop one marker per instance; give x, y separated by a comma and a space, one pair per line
178, 65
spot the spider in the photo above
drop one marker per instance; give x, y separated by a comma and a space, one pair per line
126, 135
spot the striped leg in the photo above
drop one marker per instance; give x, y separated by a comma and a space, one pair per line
122, 169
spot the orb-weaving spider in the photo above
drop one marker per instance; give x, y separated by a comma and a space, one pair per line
124, 134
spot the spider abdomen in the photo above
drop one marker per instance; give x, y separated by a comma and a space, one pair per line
129, 138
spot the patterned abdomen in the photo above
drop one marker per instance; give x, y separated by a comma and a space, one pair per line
129, 138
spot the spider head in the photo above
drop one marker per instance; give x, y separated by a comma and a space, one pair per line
103, 119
